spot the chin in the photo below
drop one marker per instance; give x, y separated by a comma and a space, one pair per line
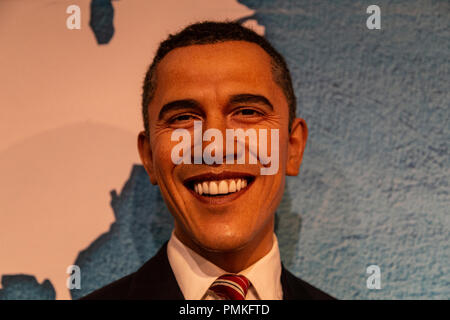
222, 241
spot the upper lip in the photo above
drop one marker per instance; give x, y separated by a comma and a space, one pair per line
210, 176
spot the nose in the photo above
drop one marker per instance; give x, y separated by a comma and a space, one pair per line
209, 141
216, 120
215, 130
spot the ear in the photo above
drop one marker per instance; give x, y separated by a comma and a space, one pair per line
296, 146
145, 152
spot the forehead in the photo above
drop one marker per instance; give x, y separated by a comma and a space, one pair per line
233, 56
245, 53
222, 67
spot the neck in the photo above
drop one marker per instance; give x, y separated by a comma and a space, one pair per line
236, 260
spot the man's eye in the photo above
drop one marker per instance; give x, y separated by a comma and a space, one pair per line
183, 117
248, 112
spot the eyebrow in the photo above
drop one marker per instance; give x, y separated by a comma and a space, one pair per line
178, 104
235, 99
250, 98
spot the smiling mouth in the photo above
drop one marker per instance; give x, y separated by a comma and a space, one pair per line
219, 188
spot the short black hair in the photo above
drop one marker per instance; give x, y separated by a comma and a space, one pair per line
209, 32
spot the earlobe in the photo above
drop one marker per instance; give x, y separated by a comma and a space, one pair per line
296, 146
145, 153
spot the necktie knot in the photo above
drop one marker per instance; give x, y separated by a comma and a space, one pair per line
231, 287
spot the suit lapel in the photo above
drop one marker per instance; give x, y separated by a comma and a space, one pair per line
297, 289
155, 280
293, 288
289, 292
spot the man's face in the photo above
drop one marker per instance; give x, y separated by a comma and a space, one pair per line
212, 83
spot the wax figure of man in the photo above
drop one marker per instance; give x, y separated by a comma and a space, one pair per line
223, 244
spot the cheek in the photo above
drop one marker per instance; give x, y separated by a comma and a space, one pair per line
161, 151
284, 146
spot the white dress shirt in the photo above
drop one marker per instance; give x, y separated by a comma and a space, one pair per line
195, 274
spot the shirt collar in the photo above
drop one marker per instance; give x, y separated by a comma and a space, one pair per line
195, 274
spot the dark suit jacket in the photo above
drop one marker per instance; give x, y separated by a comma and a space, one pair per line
155, 281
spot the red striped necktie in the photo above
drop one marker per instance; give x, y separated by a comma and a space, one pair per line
231, 287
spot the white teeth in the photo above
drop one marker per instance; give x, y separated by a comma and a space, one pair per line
223, 187
220, 186
205, 187
213, 189
232, 186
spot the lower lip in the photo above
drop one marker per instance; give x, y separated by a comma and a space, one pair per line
221, 199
